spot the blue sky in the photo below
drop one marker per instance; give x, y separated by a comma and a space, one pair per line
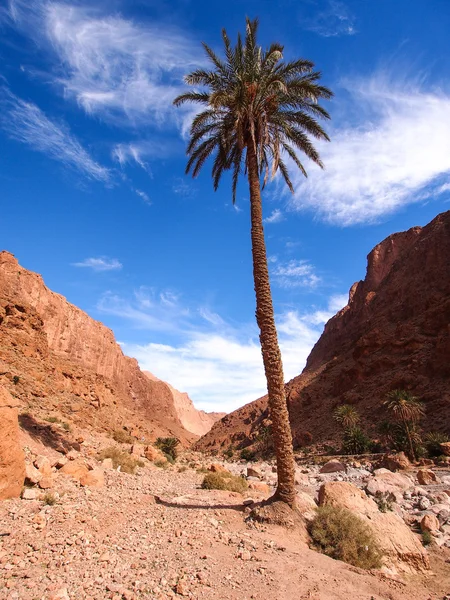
94, 195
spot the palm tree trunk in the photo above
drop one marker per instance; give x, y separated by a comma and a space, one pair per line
273, 367
408, 435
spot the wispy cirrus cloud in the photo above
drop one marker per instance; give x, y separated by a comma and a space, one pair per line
395, 155
294, 273
100, 264
28, 124
334, 19
118, 69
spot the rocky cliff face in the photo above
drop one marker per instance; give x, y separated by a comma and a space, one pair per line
394, 333
55, 359
196, 421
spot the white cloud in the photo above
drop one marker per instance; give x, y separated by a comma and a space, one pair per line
26, 123
145, 197
382, 163
121, 70
333, 21
275, 217
100, 264
218, 364
294, 273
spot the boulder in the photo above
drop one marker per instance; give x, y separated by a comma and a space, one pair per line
32, 475
44, 466
46, 483
12, 459
427, 477
395, 462
387, 482
401, 548
151, 453
259, 486
306, 505
107, 463
445, 448
333, 466
94, 478
75, 468
429, 523
216, 468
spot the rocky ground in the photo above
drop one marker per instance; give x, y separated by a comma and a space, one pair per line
156, 535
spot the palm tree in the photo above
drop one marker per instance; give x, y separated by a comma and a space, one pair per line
258, 110
347, 416
408, 410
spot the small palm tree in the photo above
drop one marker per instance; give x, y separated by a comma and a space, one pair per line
258, 111
347, 416
408, 410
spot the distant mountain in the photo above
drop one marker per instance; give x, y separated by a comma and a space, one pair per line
394, 333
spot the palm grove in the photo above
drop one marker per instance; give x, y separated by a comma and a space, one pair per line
258, 112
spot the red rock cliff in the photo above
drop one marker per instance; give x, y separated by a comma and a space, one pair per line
54, 357
394, 333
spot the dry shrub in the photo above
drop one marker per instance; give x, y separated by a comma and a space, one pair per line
121, 459
342, 535
49, 499
122, 437
224, 481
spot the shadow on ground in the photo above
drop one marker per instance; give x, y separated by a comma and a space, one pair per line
46, 434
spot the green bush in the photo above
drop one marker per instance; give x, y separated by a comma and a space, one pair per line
356, 441
125, 461
343, 536
229, 452
427, 538
433, 440
224, 481
169, 447
161, 463
122, 437
52, 419
247, 454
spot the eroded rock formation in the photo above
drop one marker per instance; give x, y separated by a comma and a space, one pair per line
12, 459
394, 333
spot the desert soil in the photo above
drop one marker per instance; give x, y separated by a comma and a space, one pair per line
156, 535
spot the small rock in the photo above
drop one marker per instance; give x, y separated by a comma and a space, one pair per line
252, 472
427, 477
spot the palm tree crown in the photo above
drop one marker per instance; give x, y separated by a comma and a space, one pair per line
254, 97
404, 406
347, 416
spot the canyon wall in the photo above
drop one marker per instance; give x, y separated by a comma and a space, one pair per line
394, 333
54, 358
